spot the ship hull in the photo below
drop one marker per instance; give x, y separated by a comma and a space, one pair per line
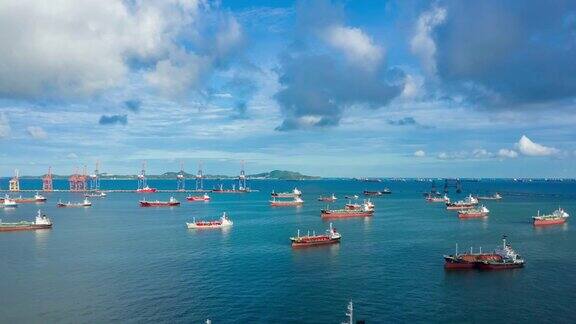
327, 215
146, 190
454, 265
23, 228
472, 215
197, 199
72, 206
285, 204
305, 244
459, 207
537, 222
29, 201
196, 226
158, 204
499, 266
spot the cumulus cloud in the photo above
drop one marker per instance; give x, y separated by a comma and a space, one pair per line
527, 147
422, 44
420, 153
476, 154
506, 153
113, 120
5, 128
317, 85
36, 132
356, 45
70, 49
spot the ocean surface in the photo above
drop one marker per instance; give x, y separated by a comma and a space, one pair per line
117, 262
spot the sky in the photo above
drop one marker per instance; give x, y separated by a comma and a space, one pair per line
331, 88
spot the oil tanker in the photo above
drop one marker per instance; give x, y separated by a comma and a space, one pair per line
331, 237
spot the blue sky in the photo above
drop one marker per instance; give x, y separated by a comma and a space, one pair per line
331, 88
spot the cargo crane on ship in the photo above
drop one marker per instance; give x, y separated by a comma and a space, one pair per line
95, 179
142, 183
77, 181
199, 178
47, 182
452, 183
242, 179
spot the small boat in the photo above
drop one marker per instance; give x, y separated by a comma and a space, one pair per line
41, 222
352, 197
505, 258
84, 203
434, 199
204, 197
386, 191
297, 201
331, 237
559, 216
328, 199
495, 196
294, 193
146, 190
480, 212
366, 210
224, 221
170, 203
96, 194
468, 203
8, 203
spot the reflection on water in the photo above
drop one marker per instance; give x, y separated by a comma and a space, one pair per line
550, 228
41, 237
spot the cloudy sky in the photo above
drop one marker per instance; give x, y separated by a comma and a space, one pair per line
331, 88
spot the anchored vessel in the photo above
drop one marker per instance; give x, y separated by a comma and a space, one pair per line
559, 216
224, 221
495, 196
503, 258
97, 194
297, 201
204, 197
369, 205
8, 203
146, 189
480, 212
41, 222
365, 210
467, 203
293, 194
38, 198
332, 198
84, 203
331, 237
436, 198
170, 203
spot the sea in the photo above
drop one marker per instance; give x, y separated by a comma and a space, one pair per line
118, 262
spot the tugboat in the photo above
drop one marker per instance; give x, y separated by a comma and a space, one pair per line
467, 203
297, 201
366, 210
328, 199
480, 212
170, 203
224, 221
331, 237
293, 194
84, 203
559, 216
8, 203
41, 222
204, 197
504, 258
146, 189
495, 196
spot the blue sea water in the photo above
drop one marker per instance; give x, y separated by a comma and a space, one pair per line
117, 262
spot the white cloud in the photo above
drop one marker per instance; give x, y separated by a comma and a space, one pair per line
419, 153
422, 44
72, 156
4, 126
529, 148
506, 153
37, 132
358, 47
482, 154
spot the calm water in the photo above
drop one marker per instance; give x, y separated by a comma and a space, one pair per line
117, 262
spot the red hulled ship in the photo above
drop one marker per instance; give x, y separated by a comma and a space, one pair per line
204, 197
468, 203
559, 216
503, 258
170, 203
297, 201
365, 210
474, 213
331, 237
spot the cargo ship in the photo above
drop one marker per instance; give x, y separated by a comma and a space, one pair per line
41, 222
224, 221
204, 197
369, 205
38, 198
297, 201
385, 191
468, 203
363, 211
172, 202
8, 203
146, 189
504, 258
97, 194
332, 198
331, 237
84, 203
434, 199
294, 193
495, 196
480, 212
559, 216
